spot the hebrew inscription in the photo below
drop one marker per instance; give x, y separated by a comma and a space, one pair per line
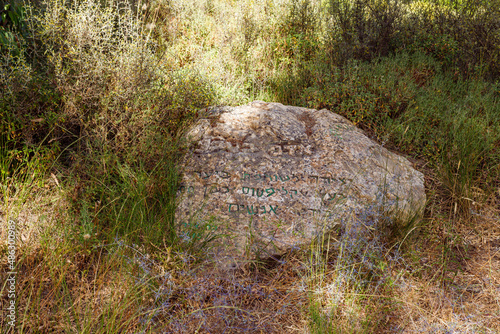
254, 190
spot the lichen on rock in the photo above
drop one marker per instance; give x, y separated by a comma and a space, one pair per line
275, 176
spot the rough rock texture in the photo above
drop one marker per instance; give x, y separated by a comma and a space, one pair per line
272, 176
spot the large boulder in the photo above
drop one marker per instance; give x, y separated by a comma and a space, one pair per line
272, 177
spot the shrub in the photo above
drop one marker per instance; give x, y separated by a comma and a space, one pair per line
463, 36
117, 92
102, 56
13, 28
28, 103
362, 29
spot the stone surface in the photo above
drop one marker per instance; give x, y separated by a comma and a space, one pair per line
272, 177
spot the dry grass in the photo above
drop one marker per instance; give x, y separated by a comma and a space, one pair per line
446, 279
460, 296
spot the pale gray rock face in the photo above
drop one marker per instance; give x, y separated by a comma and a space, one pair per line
272, 177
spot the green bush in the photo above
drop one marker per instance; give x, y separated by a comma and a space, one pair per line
362, 29
28, 102
13, 28
462, 36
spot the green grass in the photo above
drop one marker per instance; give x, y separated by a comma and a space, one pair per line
94, 100
409, 101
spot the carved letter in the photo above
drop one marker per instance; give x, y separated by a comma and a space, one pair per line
252, 212
247, 190
296, 177
272, 209
286, 191
314, 177
287, 178
245, 176
268, 192
340, 197
213, 189
271, 177
263, 208
237, 207
293, 190
207, 175
261, 192
224, 192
